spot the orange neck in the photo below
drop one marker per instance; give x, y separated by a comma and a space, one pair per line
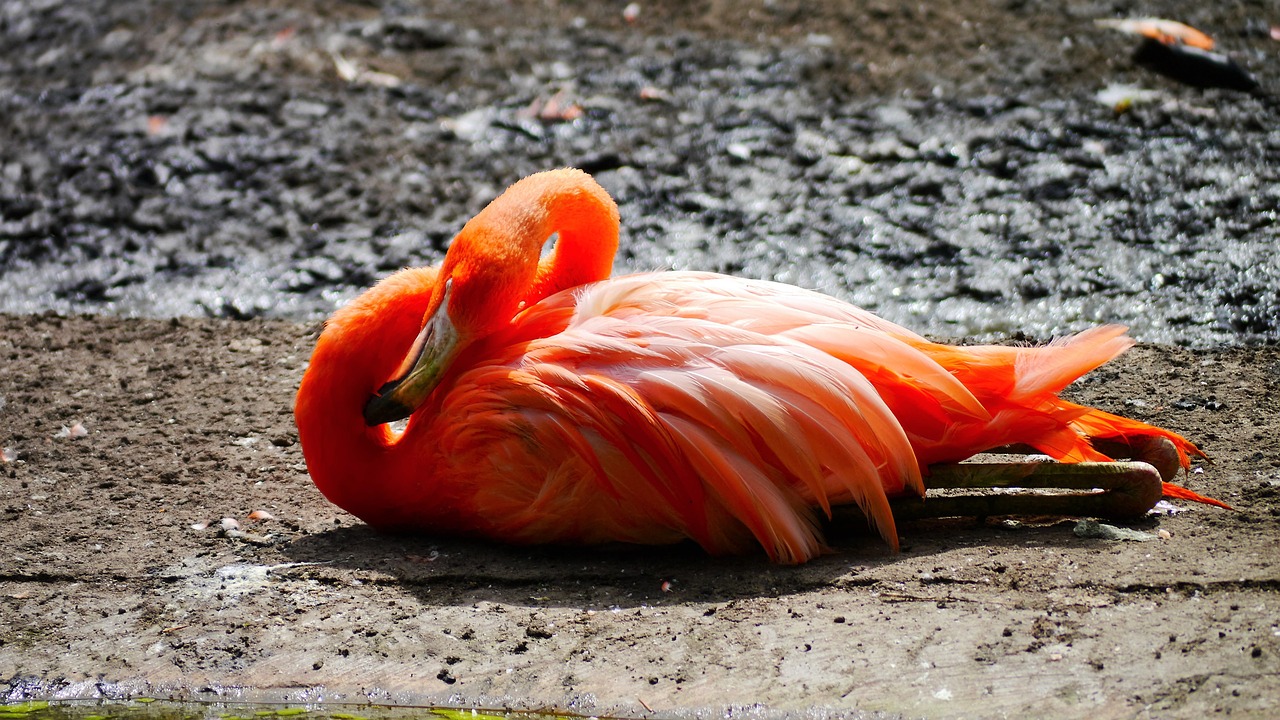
356, 467
586, 219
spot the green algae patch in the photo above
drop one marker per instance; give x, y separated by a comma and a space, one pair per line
451, 714
22, 710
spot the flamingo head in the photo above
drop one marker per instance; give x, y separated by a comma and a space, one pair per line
495, 269
481, 285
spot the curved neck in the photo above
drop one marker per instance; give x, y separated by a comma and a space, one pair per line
495, 268
586, 220
355, 466
496, 261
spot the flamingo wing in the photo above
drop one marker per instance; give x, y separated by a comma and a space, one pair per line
688, 405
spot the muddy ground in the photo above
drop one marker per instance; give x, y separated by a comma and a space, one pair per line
241, 167
110, 586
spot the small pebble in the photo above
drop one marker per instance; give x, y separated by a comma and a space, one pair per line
77, 430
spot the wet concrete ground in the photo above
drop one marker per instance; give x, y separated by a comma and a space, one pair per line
244, 166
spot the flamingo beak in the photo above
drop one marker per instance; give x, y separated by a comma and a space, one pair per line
431, 355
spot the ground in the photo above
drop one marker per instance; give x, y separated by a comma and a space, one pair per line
210, 179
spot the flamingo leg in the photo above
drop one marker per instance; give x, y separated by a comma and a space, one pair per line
1113, 490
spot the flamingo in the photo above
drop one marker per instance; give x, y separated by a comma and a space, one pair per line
548, 402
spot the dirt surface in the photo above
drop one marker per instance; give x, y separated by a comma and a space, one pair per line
947, 164
109, 586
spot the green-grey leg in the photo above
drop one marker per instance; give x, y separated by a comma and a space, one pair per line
1114, 490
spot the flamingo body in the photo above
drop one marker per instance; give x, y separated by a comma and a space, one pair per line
650, 408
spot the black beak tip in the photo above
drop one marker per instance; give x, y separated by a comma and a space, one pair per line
382, 409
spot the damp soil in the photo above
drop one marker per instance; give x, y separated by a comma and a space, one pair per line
187, 189
131, 565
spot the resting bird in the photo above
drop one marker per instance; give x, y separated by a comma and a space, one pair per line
550, 403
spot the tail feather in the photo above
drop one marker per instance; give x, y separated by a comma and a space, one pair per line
1177, 492
1101, 425
1019, 387
1051, 368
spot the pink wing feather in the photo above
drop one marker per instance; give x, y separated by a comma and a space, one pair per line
653, 407
682, 400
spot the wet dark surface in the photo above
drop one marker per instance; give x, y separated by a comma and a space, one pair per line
947, 166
